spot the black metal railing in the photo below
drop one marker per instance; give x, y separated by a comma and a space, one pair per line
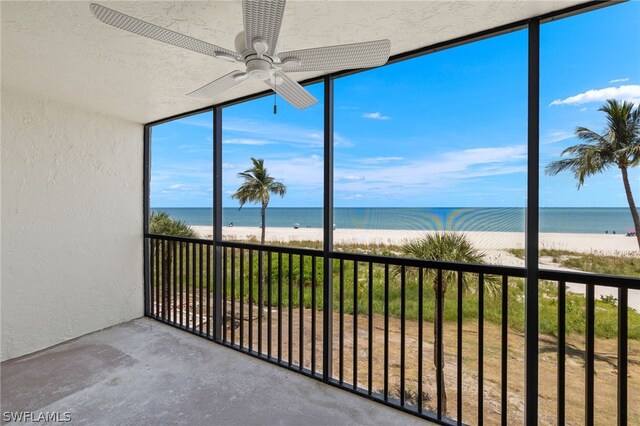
409, 333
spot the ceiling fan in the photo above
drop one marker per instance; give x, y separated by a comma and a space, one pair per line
256, 48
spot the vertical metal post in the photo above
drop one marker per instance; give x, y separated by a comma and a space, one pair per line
327, 273
623, 348
562, 322
217, 222
589, 361
146, 180
531, 228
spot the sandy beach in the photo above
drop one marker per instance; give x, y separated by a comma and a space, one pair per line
494, 244
487, 241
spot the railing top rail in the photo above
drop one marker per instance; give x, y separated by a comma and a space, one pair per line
589, 278
272, 249
544, 274
433, 264
181, 239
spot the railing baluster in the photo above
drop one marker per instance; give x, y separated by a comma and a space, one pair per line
225, 318
174, 258
209, 290
355, 325
623, 331
480, 349
438, 343
279, 306
194, 311
341, 325
459, 350
260, 299
301, 314
269, 265
164, 276
153, 281
187, 283
233, 296
370, 331
562, 321
589, 356
313, 315
386, 331
290, 330
420, 335
200, 286
403, 282
251, 300
181, 284
504, 348
241, 297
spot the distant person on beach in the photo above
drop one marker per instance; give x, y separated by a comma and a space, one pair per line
230, 224
606, 232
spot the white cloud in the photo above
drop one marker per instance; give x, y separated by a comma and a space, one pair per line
556, 136
375, 116
619, 80
197, 122
278, 132
352, 197
178, 186
630, 92
379, 160
228, 166
351, 178
299, 171
245, 141
433, 173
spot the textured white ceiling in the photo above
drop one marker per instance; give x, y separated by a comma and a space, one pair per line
58, 50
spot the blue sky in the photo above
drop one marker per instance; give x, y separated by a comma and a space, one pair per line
443, 130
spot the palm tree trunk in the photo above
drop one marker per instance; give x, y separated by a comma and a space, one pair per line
632, 204
262, 215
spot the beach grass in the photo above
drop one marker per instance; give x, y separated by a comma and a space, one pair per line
287, 283
621, 264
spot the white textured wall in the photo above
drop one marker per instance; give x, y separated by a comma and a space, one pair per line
71, 223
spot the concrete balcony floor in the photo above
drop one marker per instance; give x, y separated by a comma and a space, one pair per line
143, 372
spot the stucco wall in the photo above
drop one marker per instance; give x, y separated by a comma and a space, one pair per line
71, 223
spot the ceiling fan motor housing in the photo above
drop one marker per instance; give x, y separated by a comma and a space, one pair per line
259, 68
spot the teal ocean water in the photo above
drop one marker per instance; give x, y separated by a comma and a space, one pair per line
563, 220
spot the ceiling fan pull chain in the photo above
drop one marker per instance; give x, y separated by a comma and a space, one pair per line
275, 96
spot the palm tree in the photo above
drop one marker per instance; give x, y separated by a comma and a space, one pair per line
162, 223
618, 145
451, 247
257, 188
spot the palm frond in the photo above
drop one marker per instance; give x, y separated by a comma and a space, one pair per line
450, 247
258, 185
162, 223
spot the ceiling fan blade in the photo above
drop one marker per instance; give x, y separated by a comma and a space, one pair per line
218, 86
145, 29
291, 91
340, 57
262, 20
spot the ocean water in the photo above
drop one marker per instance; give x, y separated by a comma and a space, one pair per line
562, 220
